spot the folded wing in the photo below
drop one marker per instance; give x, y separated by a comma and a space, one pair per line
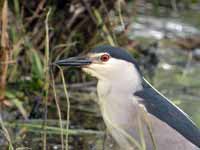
166, 111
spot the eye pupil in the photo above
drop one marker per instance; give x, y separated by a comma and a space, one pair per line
105, 57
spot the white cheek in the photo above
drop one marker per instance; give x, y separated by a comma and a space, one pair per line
89, 71
114, 65
107, 69
93, 70
86, 70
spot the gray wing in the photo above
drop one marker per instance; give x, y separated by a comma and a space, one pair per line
163, 109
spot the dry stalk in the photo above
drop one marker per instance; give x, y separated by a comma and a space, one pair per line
4, 49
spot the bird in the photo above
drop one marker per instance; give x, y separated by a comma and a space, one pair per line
136, 115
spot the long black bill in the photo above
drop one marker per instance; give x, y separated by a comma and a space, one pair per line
74, 61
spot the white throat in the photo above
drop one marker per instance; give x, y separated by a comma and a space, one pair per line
127, 80
116, 94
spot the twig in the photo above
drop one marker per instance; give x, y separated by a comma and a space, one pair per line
59, 111
31, 127
5, 132
37, 11
104, 27
46, 76
68, 105
4, 48
120, 14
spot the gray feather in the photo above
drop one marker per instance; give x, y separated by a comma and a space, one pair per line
163, 109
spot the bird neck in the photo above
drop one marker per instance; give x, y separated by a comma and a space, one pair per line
116, 102
126, 82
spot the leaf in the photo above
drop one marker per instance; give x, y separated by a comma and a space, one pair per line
37, 66
17, 103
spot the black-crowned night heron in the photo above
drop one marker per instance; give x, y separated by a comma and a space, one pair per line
136, 115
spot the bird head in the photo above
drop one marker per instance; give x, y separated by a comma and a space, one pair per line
106, 63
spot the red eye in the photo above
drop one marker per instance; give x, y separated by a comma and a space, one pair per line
105, 57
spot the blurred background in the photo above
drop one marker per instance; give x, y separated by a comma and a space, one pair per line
35, 113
